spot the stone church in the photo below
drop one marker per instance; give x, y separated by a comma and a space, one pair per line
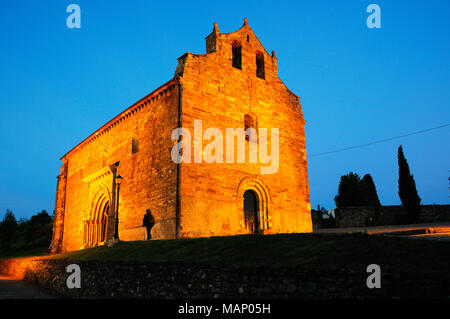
234, 85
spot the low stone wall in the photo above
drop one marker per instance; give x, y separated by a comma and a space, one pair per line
316, 218
180, 280
388, 215
353, 216
435, 213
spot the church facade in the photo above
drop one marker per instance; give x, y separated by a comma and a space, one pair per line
234, 85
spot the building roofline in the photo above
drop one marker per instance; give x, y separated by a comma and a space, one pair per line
138, 104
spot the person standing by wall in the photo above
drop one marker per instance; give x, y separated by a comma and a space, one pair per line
148, 222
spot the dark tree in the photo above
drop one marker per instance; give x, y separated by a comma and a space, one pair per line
407, 189
8, 228
370, 195
370, 192
37, 226
349, 191
42, 218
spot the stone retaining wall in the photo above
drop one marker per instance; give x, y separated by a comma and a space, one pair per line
389, 215
189, 281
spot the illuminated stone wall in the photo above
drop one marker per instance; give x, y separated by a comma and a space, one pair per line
221, 95
149, 175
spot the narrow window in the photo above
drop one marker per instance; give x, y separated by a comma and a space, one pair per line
260, 65
134, 146
237, 55
250, 122
248, 38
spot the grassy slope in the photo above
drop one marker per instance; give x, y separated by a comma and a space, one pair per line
305, 251
29, 242
24, 252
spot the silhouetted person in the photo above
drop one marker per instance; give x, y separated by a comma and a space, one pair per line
148, 222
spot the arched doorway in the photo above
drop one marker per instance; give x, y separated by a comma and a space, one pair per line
251, 211
263, 199
103, 222
95, 228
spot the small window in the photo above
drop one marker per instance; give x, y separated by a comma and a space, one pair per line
250, 122
248, 38
134, 146
260, 65
237, 55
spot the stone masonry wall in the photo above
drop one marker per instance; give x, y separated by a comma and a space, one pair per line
140, 139
220, 95
210, 194
389, 215
191, 281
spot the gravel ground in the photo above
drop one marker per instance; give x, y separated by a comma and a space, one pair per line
16, 289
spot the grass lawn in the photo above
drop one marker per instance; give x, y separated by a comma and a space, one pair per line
303, 251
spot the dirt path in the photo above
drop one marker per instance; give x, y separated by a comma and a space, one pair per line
16, 289
439, 231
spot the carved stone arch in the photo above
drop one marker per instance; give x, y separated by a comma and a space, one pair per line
98, 206
100, 196
98, 216
264, 199
99, 223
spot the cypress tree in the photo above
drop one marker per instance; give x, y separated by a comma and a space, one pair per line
407, 189
370, 192
370, 195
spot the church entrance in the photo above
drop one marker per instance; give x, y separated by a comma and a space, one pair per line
103, 223
251, 212
95, 228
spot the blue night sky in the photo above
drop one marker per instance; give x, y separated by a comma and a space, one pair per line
356, 84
